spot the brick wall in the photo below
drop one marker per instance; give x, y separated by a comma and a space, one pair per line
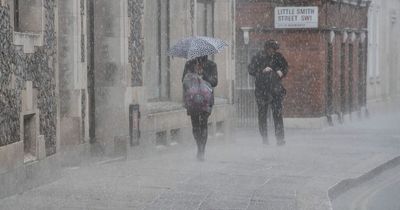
306, 51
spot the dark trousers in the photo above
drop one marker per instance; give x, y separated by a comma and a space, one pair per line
200, 129
276, 106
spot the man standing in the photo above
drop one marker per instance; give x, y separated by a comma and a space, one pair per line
269, 67
207, 70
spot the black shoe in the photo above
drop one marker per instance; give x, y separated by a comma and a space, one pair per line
200, 156
265, 140
280, 142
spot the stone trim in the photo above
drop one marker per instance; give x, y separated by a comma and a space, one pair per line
28, 41
360, 3
167, 106
305, 123
136, 43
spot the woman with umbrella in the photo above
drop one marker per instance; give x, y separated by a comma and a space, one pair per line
197, 49
207, 71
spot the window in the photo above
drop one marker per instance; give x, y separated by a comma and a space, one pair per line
27, 16
205, 18
158, 73
29, 137
163, 46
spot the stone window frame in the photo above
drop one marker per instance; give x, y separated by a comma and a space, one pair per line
208, 28
163, 40
27, 39
37, 148
209, 6
163, 43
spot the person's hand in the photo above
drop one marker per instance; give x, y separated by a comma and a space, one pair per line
267, 69
280, 73
199, 69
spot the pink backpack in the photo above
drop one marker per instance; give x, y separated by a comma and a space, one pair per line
198, 94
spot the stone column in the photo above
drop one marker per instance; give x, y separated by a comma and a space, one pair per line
224, 25
72, 71
110, 72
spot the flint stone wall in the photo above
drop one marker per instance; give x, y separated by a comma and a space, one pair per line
17, 67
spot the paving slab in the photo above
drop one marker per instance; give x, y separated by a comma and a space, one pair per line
238, 174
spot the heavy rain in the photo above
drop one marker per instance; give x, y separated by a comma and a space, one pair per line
199, 104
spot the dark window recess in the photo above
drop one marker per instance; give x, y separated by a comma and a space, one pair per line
29, 137
161, 138
134, 124
16, 15
27, 16
175, 135
163, 80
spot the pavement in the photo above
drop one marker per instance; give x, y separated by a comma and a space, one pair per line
238, 174
380, 192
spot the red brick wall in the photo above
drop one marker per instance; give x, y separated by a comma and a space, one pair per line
304, 83
306, 52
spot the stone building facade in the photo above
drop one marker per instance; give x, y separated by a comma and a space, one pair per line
384, 50
79, 76
28, 94
327, 62
133, 74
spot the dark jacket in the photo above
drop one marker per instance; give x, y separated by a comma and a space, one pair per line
210, 73
268, 84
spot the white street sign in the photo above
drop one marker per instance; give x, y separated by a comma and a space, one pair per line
296, 17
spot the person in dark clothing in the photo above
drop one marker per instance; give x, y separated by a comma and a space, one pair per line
269, 67
207, 70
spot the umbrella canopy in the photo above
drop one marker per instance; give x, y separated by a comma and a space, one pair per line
197, 46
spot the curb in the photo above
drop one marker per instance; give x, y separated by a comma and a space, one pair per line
347, 184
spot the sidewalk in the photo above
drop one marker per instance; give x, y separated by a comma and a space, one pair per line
243, 174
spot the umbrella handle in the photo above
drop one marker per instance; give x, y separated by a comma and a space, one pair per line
200, 71
198, 68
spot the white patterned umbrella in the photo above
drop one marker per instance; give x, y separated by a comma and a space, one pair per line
197, 46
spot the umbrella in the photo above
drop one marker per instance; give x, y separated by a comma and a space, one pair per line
197, 46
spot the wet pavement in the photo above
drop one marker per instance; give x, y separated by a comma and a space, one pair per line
380, 192
238, 174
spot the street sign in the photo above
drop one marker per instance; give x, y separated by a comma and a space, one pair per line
296, 17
